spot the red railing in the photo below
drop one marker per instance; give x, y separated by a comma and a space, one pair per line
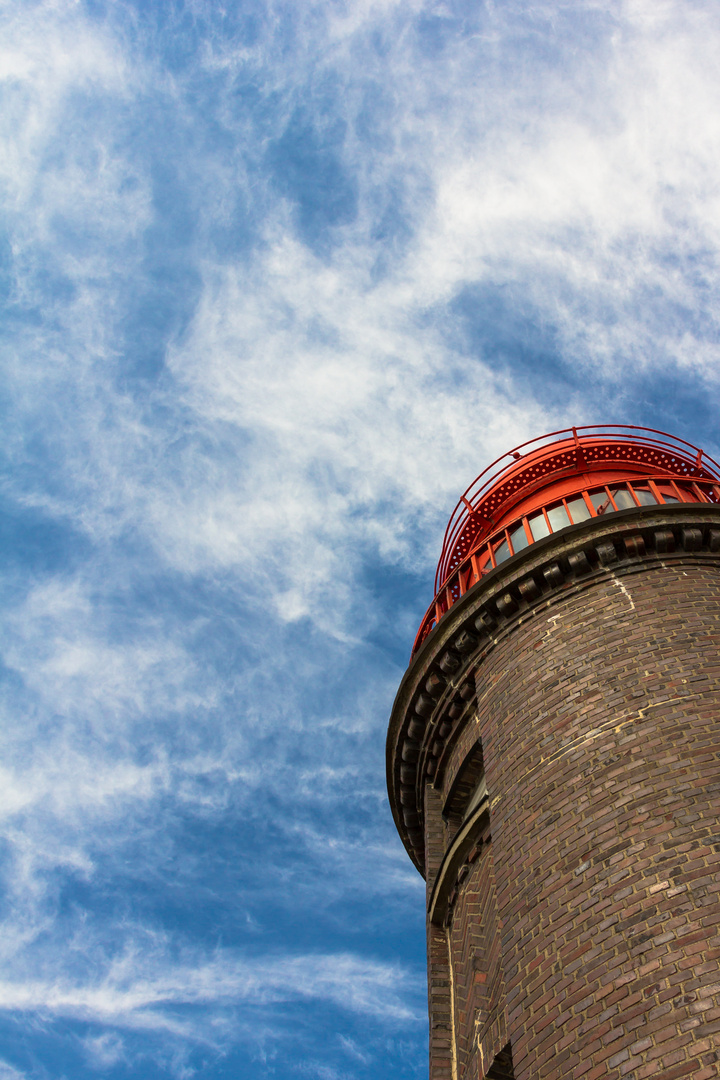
576, 505
567, 452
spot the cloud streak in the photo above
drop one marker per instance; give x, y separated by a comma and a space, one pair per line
123, 997
277, 283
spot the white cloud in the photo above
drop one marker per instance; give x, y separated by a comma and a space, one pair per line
104, 1051
47, 53
598, 212
140, 991
60, 642
8, 1072
315, 419
345, 402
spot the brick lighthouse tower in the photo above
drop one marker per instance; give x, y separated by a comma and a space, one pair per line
554, 765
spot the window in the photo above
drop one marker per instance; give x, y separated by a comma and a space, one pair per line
558, 517
645, 496
601, 501
502, 552
518, 538
538, 526
605, 500
623, 499
578, 510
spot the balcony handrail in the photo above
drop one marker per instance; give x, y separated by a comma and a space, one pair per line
470, 501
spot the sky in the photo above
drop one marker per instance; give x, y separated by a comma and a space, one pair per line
278, 280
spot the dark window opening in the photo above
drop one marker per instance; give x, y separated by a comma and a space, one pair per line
468, 790
478, 795
502, 1066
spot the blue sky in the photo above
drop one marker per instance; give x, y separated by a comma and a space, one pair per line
277, 281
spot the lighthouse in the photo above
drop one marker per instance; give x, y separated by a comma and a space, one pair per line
553, 764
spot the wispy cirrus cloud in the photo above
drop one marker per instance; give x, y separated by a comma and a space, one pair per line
210, 1004
7, 1072
277, 283
126, 998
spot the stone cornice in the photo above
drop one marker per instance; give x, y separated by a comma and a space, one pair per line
437, 693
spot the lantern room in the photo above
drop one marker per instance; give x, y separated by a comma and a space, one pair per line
561, 479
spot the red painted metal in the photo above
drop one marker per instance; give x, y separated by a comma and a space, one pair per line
588, 463
559, 458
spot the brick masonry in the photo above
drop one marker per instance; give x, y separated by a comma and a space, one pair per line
574, 927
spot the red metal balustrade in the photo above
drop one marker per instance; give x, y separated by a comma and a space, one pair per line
550, 483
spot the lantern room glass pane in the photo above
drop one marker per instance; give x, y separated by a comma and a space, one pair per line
538, 526
645, 496
519, 538
578, 510
601, 502
502, 552
623, 499
482, 560
558, 517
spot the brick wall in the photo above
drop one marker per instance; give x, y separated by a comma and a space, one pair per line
600, 739
580, 905
480, 1014
440, 1006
